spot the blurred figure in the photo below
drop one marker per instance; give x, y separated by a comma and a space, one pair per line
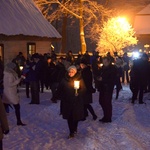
86, 56
106, 86
79, 57
49, 69
53, 55
139, 74
56, 77
70, 57
88, 80
34, 75
1, 76
111, 58
96, 69
126, 68
20, 59
118, 64
4, 129
10, 95
25, 72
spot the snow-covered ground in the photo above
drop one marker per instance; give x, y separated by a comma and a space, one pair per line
46, 130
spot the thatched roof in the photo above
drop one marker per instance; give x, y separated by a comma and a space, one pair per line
22, 17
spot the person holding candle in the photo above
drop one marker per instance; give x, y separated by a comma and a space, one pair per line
88, 80
70, 92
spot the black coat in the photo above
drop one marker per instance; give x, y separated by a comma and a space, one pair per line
88, 80
108, 75
49, 69
140, 72
71, 105
58, 73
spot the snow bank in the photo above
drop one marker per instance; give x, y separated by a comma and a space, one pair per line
46, 130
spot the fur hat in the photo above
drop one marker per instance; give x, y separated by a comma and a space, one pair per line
11, 65
73, 68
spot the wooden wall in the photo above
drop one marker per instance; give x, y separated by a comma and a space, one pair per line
12, 48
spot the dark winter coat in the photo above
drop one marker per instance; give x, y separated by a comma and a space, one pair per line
88, 80
71, 105
126, 60
35, 71
3, 120
58, 73
140, 73
108, 75
49, 70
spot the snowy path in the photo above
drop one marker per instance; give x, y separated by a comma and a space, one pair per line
46, 130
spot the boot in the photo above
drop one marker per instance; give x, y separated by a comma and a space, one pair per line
19, 123
17, 112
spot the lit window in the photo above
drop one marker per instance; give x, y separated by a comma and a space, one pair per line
31, 48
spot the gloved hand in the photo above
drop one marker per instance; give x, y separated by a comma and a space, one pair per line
6, 132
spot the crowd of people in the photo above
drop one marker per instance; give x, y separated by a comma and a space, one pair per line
94, 72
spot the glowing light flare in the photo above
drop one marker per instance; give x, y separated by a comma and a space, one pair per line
136, 55
123, 23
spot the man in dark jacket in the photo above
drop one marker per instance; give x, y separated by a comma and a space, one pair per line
4, 129
106, 86
125, 68
56, 77
140, 72
34, 75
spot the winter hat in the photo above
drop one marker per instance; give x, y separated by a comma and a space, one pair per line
11, 65
73, 68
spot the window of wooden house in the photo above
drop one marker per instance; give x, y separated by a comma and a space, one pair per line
31, 48
2, 52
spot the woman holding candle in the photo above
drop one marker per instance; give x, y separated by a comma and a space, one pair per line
71, 94
88, 80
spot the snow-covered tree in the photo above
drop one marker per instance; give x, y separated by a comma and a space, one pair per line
86, 11
115, 35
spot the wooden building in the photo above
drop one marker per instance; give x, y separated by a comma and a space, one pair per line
24, 29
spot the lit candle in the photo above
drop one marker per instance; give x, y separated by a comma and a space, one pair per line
101, 65
76, 84
21, 67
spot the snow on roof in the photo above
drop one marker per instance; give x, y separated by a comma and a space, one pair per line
23, 17
142, 21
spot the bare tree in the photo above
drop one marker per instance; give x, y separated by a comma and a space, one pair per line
86, 11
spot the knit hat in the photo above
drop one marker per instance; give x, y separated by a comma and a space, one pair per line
73, 68
11, 65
